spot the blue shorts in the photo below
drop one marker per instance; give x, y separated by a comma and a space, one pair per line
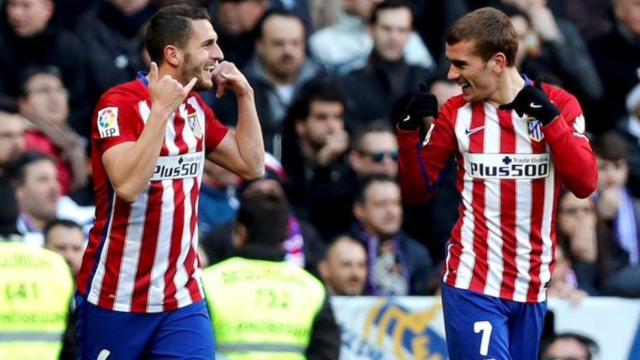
185, 333
484, 327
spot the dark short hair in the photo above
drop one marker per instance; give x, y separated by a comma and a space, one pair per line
69, 224
492, 31
360, 196
592, 347
376, 126
276, 12
322, 89
171, 25
33, 70
390, 5
610, 146
18, 168
266, 217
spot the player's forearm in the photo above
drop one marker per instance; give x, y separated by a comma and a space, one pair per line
248, 136
132, 169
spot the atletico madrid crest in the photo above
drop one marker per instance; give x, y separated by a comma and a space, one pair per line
194, 124
535, 129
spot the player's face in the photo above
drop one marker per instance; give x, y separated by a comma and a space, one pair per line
470, 71
381, 212
201, 55
324, 119
346, 269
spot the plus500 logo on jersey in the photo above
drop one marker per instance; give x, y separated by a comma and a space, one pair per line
178, 166
508, 166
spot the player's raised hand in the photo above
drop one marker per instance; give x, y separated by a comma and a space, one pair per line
167, 93
533, 101
421, 108
226, 76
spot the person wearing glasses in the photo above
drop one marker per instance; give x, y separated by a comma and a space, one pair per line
374, 150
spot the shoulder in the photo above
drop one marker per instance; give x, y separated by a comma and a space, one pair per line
566, 102
128, 93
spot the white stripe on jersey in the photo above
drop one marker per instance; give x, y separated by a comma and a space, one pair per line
467, 258
523, 214
545, 232
163, 248
492, 207
95, 287
131, 254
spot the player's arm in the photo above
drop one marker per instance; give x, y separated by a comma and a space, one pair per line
423, 156
564, 132
240, 151
129, 165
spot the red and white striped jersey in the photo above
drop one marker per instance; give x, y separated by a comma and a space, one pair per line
509, 173
142, 256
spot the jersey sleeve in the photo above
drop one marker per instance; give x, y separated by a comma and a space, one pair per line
421, 162
570, 150
115, 120
214, 130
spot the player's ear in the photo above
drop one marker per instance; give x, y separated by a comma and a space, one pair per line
173, 55
498, 62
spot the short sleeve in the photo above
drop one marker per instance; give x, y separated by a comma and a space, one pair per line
115, 120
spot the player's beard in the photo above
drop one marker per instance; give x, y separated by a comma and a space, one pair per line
193, 69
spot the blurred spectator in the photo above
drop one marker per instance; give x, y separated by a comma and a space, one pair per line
236, 24
218, 202
12, 139
398, 265
387, 78
601, 265
44, 101
616, 55
66, 238
277, 73
110, 36
324, 12
314, 156
299, 7
615, 205
374, 151
564, 284
551, 48
303, 246
592, 17
346, 45
569, 346
629, 128
344, 267
30, 37
265, 307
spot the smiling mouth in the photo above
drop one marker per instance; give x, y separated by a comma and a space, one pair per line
210, 68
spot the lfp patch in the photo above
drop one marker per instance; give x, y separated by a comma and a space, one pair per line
108, 122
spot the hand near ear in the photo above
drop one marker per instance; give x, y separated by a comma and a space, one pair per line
167, 93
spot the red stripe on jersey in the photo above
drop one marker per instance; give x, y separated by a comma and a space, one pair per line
109, 285
151, 228
192, 256
455, 252
537, 210
480, 233
508, 209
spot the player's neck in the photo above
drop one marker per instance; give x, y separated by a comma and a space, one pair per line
510, 83
174, 72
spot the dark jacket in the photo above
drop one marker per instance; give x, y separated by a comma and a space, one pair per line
325, 342
375, 90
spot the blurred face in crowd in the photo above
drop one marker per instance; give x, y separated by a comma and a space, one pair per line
628, 11
38, 195
361, 8
263, 186
130, 7
12, 142
381, 212
46, 98
478, 78
378, 155
391, 33
325, 119
574, 212
200, 53
567, 349
240, 17
281, 47
612, 174
344, 270
29, 17
68, 242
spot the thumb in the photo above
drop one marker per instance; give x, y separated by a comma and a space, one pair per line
153, 73
190, 85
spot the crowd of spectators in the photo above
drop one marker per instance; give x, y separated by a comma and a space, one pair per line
331, 78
